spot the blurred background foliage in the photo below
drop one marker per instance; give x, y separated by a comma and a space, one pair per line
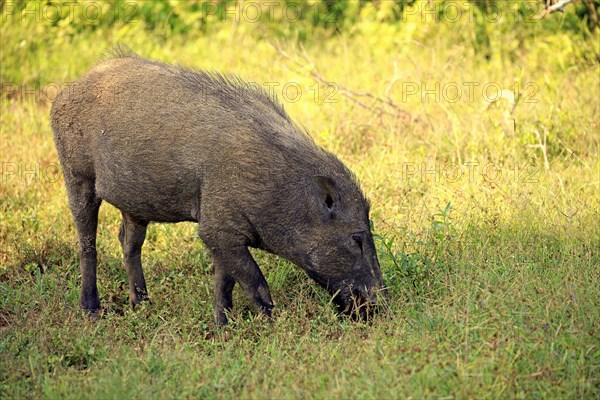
489, 27
182, 16
57, 19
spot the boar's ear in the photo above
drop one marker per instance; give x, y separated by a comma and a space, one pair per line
327, 194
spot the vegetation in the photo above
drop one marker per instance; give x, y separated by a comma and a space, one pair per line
474, 132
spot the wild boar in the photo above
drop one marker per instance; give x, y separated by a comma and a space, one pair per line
164, 143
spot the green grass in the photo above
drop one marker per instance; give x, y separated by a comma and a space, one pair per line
493, 275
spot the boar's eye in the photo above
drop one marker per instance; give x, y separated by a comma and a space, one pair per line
358, 241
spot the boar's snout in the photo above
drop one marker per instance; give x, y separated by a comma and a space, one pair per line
361, 301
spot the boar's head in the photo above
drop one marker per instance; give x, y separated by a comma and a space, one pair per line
336, 245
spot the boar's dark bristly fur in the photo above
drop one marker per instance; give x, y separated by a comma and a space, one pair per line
166, 144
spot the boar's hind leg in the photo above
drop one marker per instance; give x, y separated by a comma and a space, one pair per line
237, 264
131, 236
84, 207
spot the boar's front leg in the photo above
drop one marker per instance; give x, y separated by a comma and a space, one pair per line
223, 287
237, 265
132, 236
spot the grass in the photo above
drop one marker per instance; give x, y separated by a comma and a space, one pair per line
486, 223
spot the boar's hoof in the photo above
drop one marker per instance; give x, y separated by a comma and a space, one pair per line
137, 295
221, 319
92, 315
267, 310
137, 300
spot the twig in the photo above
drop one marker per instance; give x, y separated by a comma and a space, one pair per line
569, 217
542, 145
378, 105
393, 81
557, 7
234, 27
